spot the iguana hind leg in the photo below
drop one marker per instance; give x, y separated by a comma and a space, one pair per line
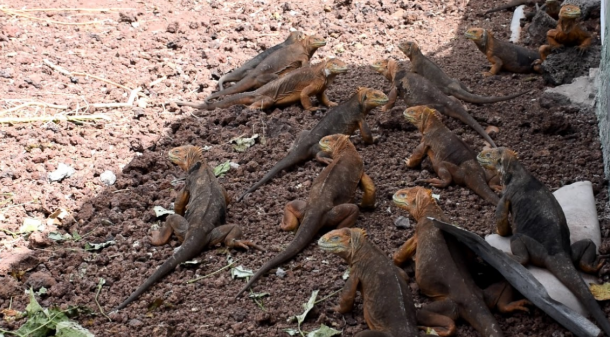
527, 250
368, 187
293, 214
500, 295
444, 173
260, 102
175, 223
440, 316
405, 251
584, 255
230, 235
342, 216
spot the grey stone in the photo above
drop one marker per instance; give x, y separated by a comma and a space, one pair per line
281, 273
402, 222
563, 66
108, 178
62, 171
581, 92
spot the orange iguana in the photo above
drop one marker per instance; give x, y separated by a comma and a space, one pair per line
540, 233
417, 90
452, 159
296, 86
344, 118
241, 72
329, 202
198, 222
568, 33
425, 67
387, 302
441, 272
501, 54
276, 65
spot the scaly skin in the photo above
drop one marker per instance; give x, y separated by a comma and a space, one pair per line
540, 234
276, 65
567, 34
328, 203
425, 67
501, 54
388, 307
452, 159
344, 118
417, 90
241, 72
198, 222
296, 86
441, 272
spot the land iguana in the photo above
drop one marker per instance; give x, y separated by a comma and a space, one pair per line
241, 72
198, 222
451, 158
503, 55
329, 202
568, 33
540, 234
276, 65
344, 118
417, 90
296, 86
425, 67
441, 272
388, 306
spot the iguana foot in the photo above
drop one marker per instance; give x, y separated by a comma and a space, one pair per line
332, 104
516, 305
582, 50
487, 74
245, 244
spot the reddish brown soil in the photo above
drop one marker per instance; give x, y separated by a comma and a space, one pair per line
191, 44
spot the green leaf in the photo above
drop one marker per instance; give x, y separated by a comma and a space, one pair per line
33, 307
292, 332
71, 329
222, 168
41, 291
76, 236
241, 272
159, 211
241, 144
55, 236
307, 306
324, 331
96, 246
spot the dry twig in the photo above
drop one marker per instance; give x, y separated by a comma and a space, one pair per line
52, 118
129, 103
12, 12
43, 104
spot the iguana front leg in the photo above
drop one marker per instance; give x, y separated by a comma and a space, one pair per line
391, 99
230, 235
405, 251
496, 65
368, 187
175, 223
181, 201
323, 98
304, 96
365, 133
584, 255
417, 156
347, 295
502, 226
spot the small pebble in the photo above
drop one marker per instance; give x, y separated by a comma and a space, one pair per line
402, 222
108, 178
281, 273
63, 171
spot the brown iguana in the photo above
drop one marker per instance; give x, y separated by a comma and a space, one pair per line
328, 203
198, 222
387, 302
344, 118
540, 234
417, 90
425, 67
241, 72
441, 272
568, 33
296, 86
277, 65
501, 54
451, 158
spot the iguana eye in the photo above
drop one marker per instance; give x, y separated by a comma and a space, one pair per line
334, 238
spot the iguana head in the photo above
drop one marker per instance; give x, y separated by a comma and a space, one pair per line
414, 200
343, 242
314, 41
496, 158
334, 143
421, 116
410, 48
569, 12
475, 34
380, 66
185, 156
295, 36
335, 66
371, 98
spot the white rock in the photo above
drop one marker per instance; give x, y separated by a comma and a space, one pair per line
63, 171
280, 273
108, 178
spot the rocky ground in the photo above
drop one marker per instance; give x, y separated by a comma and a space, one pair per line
177, 50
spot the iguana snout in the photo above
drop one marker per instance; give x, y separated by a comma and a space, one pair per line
331, 143
184, 156
316, 41
570, 12
408, 47
475, 34
410, 199
371, 97
494, 158
336, 241
336, 66
380, 65
419, 115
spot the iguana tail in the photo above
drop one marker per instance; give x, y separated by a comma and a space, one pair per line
243, 85
191, 247
563, 268
243, 98
307, 231
476, 313
473, 98
455, 110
